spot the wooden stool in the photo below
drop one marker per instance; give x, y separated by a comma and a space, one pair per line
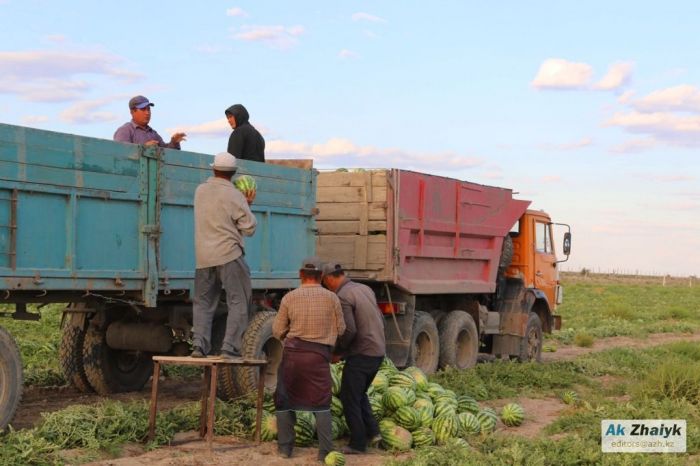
210, 364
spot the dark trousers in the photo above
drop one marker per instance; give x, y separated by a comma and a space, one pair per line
358, 373
286, 436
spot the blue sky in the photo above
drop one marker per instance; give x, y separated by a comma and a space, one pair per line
589, 109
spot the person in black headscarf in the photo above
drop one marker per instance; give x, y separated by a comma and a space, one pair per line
245, 141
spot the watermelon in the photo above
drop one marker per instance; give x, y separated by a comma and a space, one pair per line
245, 184
458, 442
402, 379
512, 414
397, 438
569, 397
445, 427
304, 429
395, 397
434, 390
377, 406
269, 403
423, 437
337, 427
468, 424
487, 418
336, 378
407, 417
268, 427
426, 416
443, 408
421, 403
334, 458
386, 424
419, 376
380, 382
466, 403
336, 406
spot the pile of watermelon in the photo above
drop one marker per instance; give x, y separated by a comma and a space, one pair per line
411, 411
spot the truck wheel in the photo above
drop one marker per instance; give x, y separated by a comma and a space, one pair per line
259, 343
11, 382
531, 344
70, 352
425, 343
114, 371
459, 341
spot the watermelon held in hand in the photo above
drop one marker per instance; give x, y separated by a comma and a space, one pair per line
245, 184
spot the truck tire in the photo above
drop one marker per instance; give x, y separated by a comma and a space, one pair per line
11, 381
506, 253
531, 344
459, 341
70, 357
425, 343
114, 371
259, 343
227, 382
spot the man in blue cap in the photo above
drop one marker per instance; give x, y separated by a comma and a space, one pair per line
137, 130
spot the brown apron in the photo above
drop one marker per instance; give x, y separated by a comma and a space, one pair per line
304, 378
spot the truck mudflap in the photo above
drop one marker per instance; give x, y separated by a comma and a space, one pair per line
556, 321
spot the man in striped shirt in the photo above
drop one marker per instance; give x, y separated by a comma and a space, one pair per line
309, 321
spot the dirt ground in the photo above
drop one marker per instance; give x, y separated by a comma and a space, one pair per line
567, 352
187, 449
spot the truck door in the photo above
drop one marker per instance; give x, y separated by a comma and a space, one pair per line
545, 261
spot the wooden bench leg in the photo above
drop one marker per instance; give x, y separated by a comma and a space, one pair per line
212, 404
259, 405
205, 401
154, 402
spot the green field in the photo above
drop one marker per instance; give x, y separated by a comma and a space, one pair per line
620, 383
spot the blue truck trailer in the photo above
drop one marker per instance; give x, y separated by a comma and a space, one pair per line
108, 227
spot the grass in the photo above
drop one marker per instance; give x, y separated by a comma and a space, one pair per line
104, 428
615, 309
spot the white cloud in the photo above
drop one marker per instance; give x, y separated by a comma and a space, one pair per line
658, 123
52, 76
343, 152
236, 11
211, 129
34, 119
345, 53
670, 178
367, 17
88, 111
634, 146
43, 90
279, 37
568, 146
557, 73
684, 98
618, 76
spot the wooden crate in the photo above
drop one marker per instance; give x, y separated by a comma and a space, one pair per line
352, 221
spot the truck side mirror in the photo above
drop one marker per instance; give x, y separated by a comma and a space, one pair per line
567, 243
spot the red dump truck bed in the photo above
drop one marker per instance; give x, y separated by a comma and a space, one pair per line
426, 234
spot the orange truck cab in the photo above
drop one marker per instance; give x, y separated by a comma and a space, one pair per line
535, 263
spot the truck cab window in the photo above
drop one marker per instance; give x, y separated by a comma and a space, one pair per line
543, 238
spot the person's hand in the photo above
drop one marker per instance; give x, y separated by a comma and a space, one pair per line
152, 142
177, 138
250, 196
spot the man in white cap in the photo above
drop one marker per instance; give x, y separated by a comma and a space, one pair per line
137, 130
222, 217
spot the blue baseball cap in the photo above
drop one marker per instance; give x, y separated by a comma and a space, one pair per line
139, 102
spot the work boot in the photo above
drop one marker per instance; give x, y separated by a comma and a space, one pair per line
229, 356
197, 353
